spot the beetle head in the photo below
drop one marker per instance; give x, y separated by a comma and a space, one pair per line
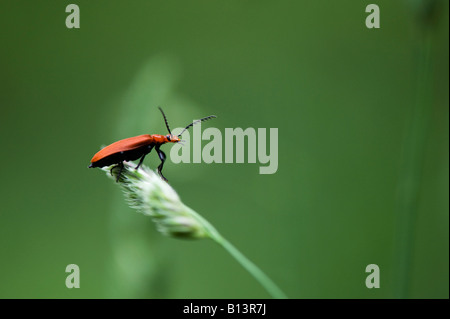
172, 138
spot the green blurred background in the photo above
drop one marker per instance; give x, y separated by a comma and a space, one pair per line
363, 146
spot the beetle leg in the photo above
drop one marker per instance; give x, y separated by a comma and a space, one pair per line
140, 162
120, 165
143, 156
162, 157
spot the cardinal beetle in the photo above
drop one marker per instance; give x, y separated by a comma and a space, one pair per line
133, 148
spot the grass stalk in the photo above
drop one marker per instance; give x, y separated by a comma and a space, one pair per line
149, 194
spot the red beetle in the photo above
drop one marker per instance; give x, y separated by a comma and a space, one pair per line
133, 148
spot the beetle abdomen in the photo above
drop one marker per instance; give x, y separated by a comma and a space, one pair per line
119, 157
129, 149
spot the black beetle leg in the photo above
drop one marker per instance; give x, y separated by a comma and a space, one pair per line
162, 157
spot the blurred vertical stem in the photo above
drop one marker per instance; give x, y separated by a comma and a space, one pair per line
139, 266
414, 149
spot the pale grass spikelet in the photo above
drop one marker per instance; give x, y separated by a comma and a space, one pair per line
148, 193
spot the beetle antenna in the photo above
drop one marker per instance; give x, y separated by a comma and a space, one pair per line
165, 120
197, 121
